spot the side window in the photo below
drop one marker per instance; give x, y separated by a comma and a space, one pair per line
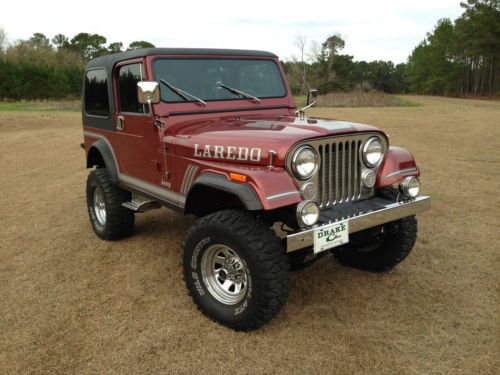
96, 93
128, 76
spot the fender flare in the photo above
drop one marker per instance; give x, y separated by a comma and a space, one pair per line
398, 164
244, 192
108, 157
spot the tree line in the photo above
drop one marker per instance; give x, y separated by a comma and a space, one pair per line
327, 70
458, 58
41, 68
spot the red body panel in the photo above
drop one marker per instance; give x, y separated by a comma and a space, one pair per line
397, 164
161, 157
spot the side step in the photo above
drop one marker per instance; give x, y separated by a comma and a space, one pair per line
140, 203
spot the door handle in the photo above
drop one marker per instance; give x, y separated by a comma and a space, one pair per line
120, 123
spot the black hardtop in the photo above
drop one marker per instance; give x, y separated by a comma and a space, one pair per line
108, 61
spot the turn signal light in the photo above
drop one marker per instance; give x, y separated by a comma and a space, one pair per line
238, 177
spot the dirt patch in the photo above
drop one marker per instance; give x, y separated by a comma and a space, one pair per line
71, 303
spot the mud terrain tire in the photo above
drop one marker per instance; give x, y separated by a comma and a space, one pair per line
235, 269
109, 219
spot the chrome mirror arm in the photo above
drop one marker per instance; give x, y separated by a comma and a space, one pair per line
150, 106
302, 111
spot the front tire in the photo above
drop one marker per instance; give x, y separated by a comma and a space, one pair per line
235, 270
109, 219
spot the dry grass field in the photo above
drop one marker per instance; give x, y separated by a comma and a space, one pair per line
70, 303
363, 99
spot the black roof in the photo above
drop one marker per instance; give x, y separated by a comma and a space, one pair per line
110, 60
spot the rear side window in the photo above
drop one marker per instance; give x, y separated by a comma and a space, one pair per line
128, 76
96, 93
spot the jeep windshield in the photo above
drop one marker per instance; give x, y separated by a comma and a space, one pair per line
220, 79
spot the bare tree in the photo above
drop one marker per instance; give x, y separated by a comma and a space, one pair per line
314, 52
301, 43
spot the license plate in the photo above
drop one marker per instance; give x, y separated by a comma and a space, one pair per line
331, 235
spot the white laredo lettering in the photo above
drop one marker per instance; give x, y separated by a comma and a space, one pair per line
218, 152
206, 152
196, 152
228, 153
255, 154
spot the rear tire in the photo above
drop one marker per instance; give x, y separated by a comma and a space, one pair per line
109, 219
380, 249
235, 270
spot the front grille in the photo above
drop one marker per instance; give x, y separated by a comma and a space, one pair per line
339, 177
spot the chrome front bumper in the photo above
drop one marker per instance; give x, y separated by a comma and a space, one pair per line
361, 215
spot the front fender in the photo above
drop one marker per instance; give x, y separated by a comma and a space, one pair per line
244, 192
275, 188
397, 164
270, 187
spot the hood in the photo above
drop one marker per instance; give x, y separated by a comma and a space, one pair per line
249, 140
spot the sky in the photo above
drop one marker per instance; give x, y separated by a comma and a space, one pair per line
372, 30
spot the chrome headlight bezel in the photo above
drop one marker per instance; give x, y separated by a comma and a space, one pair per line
410, 187
296, 163
370, 143
307, 213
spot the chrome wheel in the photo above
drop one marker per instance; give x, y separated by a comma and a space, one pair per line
99, 206
225, 274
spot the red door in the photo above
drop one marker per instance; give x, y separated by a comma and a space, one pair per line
138, 140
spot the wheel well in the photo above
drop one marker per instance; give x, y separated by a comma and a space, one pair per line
95, 158
203, 200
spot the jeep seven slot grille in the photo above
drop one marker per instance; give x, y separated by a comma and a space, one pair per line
339, 177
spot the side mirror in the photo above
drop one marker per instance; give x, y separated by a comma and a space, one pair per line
312, 95
148, 92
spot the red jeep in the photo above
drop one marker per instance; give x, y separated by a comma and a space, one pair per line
217, 134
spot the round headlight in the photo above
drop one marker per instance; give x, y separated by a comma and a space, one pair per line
410, 187
307, 213
305, 162
373, 152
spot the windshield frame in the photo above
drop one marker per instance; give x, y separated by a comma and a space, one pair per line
191, 57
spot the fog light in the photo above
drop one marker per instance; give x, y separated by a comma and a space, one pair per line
307, 213
410, 187
369, 178
308, 191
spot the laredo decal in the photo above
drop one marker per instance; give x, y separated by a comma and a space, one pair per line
227, 153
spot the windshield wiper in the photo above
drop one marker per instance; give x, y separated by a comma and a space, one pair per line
238, 92
183, 94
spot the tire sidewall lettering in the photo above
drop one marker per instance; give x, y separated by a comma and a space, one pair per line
200, 245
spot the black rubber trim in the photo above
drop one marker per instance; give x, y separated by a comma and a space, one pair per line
245, 192
108, 157
180, 113
110, 60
